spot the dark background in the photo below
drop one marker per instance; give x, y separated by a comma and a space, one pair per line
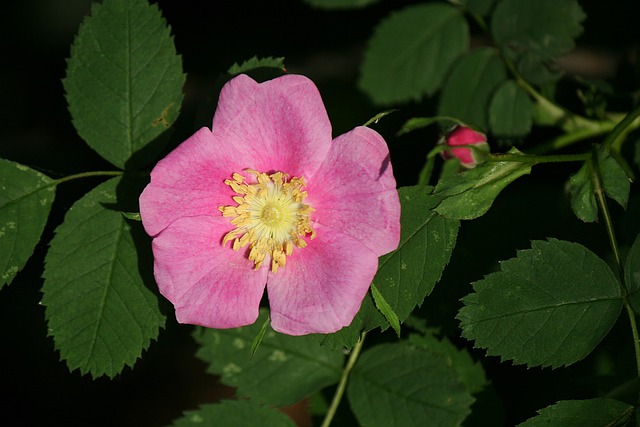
35, 36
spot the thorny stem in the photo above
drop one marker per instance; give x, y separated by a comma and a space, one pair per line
87, 175
602, 201
337, 397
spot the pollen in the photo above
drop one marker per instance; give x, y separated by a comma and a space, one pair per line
270, 217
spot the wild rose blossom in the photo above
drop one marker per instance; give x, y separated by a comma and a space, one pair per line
267, 198
462, 135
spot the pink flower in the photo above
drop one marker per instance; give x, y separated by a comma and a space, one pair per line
267, 198
462, 135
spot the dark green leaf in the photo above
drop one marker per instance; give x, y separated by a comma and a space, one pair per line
99, 311
470, 194
471, 373
583, 413
242, 413
411, 52
124, 81
26, 197
545, 28
511, 111
398, 385
284, 370
550, 306
632, 274
581, 190
615, 181
468, 89
480, 7
340, 4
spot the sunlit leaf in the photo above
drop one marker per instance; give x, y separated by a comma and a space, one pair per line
583, 413
398, 385
284, 369
549, 306
99, 311
124, 81
511, 111
231, 413
26, 197
411, 51
470, 194
472, 82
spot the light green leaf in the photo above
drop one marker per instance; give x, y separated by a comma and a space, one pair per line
544, 28
411, 51
385, 309
470, 194
632, 274
284, 370
26, 197
550, 306
581, 191
398, 385
583, 413
471, 84
124, 81
231, 413
470, 373
99, 311
511, 111
407, 275
615, 181
340, 4
377, 117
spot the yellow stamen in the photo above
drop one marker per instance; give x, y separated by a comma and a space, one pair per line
270, 216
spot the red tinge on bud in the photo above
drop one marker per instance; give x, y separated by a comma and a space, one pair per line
461, 136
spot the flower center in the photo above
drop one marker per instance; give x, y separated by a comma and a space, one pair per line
270, 216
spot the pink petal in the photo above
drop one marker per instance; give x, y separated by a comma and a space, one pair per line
209, 285
280, 124
188, 182
354, 191
322, 286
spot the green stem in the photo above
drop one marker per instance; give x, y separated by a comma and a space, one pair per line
535, 159
567, 139
621, 128
87, 175
337, 397
602, 201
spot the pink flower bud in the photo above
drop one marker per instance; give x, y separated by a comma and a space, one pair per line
464, 136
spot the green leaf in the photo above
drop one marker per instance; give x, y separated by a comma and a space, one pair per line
377, 117
581, 191
470, 373
632, 274
99, 311
480, 7
133, 216
407, 275
124, 81
550, 306
615, 181
234, 413
340, 4
411, 51
470, 86
470, 194
583, 413
385, 309
416, 123
511, 111
544, 28
26, 197
284, 370
255, 63
398, 385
